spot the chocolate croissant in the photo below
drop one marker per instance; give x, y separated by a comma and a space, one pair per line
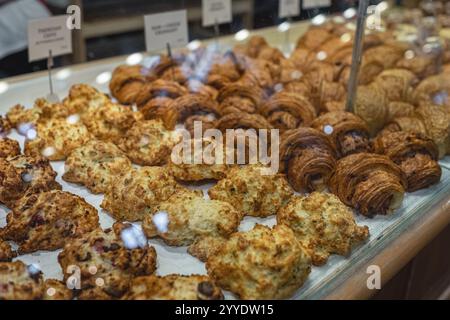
348, 132
433, 90
286, 110
161, 108
159, 88
372, 106
127, 81
240, 98
416, 155
308, 158
397, 83
370, 183
242, 120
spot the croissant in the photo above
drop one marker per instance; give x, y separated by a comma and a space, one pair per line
237, 97
300, 87
308, 157
416, 155
313, 38
161, 108
302, 58
196, 86
253, 46
159, 88
329, 92
196, 105
409, 124
397, 83
286, 110
348, 132
434, 89
242, 120
372, 106
127, 81
398, 109
260, 73
370, 183
419, 65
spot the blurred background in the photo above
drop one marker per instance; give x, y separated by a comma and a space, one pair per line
115, 27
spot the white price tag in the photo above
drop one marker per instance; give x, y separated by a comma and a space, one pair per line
48, 34
311, 4
216, 11
167, 27
288, 8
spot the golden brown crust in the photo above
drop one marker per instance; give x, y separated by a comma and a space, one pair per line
173, 287
126, 82
323, 225
116, 256
262, 263
83, 97
22, 175
161, 108
397, 109
372, 106
6, 252
5, 126
370, 183
56, 290
138, 192
433, 90
191, 218
9, 148
308, 157
148, 143
242, 120
251, 192
397, 83
47, 220
18, 282
348, 132
285, 110
240, 97
159, 88
95, 165
416, 155
194, 104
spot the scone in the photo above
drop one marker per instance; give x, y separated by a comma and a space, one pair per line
263, 263
181, 220
95, 165
323, 225
138, 192
5, 126
21, 282
251, 192
25, 175
149, 143
83, 97
173, 287
6, 253
57, 138
212, 164
109, 122
108, 259
8, 148
47, 220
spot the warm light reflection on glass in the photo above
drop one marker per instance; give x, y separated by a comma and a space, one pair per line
103, 77
241, 35
4, 86
161, 221
349, 13
318, 20
194, 45
134, 59
63, 74
284, 26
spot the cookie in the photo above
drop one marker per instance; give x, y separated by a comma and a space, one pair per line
251, 192
173, 287
9, 148
323, 225
47, 220
263, 263
148, 143
108, 259
57, 138
95, 165
138, 192
181, 220
22, 175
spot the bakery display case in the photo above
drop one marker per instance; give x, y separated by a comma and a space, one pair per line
93, 200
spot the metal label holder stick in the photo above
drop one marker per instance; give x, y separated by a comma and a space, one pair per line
51, 97
357, 54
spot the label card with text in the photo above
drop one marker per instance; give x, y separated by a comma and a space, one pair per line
48, 34
216, 11
288, 8
311, 4
167, 27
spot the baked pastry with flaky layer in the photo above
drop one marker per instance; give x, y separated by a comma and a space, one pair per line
433, 90
173, 287
372, 106
112, 256
308, 157
159, 88
148, 143
5, 126
48, 220
416, 155
242, 120
263, 263
127, 81
286, 110
371, 183
190, 217
237, 97
137, 193
397, 83
95, 165
252, 192
323, 225
22, 175
83, 97
6, 252
161, 108
9, 148
348, 132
